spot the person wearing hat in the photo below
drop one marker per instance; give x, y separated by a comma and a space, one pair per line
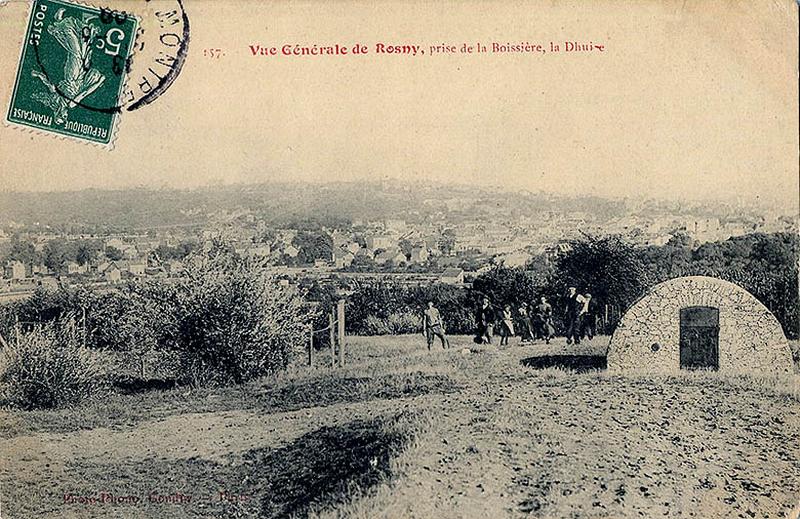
572, 316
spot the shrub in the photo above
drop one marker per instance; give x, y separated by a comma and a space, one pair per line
396, 324
48, 368
371, 302
134, 320
233, 321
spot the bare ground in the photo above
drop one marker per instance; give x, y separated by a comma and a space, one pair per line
513, 434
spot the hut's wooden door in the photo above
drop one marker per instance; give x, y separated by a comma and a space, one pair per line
699, 337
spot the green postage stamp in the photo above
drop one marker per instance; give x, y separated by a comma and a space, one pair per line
72, 70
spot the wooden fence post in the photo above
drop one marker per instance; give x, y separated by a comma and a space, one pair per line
311, 345
340, 329
83, 326
332, 334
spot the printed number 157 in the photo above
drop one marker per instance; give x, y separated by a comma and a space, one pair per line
213, 53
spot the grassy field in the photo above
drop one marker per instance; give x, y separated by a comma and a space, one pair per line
533, 431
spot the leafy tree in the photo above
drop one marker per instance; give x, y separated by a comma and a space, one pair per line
406, 246
609, 268
113, 253
313, 245
22, 250
57, 254
178, 252
233, 320
507, 286
86, 252
447, 242
267, 237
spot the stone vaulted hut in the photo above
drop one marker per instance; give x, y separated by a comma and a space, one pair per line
699, 322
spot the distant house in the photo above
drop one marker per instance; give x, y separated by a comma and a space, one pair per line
48, 282
15, 270
484, 269
137, 267
74, 268
419, 255
452, 276
291, 251
379, 241
342, 258
320, 263
134, 267
112, 275
103, 266
40, 270
129, 252
117, 243
515, 259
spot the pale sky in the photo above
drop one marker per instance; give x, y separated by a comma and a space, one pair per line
686, 101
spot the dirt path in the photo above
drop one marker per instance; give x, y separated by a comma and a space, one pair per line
512, 442
600, 446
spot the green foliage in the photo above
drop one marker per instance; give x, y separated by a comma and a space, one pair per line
228, 320
58, 252
135, 320
48, 368
46, 305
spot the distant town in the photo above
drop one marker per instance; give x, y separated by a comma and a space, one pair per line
412, 232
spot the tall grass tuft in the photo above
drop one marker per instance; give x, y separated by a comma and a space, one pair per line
49, 368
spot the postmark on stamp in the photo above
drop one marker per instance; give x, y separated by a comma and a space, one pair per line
72, 70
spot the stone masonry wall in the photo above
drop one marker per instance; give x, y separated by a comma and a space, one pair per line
750, 337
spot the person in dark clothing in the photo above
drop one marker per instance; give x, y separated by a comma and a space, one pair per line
506, 325
485, 318
544, 321
572, 316
587, 317
525, 326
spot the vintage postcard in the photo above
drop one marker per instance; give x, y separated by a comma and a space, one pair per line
399, 259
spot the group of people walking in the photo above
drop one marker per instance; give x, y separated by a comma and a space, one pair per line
530, 322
